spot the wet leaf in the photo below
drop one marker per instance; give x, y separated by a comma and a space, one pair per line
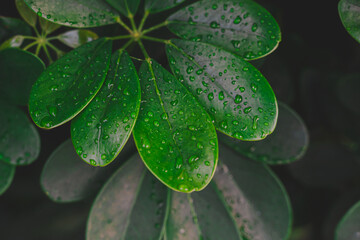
67, 86
286, 144
234, 93
349, 11
102, 129
47, 26
242, 27
10, 27
12, 42
125, 7
18, 72
74, 13
26, 13
155, 6
20, 142
7, 172
78, 37
174, 135
349, 228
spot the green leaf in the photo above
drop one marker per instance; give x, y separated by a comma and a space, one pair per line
66, 178
102, 129
14, 42
67, 86
12, 26
242, 27
74, 13
76, 38
154, 6
286, 144
349, 227
232, 91
26, 13
125, 7
349, 11
7, 172
18, 72
20, 142
47, 26
175, 137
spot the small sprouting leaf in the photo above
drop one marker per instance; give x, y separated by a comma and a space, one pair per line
26, 13
12, 42
174, 135
74, 13
18, 72
232, 91
125, 7
102, 129
12, 26
286, 144
20, 142
66, 178
155, 6
242, 27
67, 86
349, 11
78, 37
349, 227
47, 26
7, 172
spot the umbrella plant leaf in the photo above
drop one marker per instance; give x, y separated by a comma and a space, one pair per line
78, 37
349, 228
20, 142
66, 178
18, 72
233, 92
102, 129
349, 11
74, 13
154, 6
12, 42
47, 26
242, 27
12, 26
174, 135
26, 13
7, 172
67, 86
286, 144
125, 7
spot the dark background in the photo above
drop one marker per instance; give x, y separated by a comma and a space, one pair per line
315, 55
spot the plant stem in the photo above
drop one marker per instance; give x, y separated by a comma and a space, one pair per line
54, 48
156, 39
146, 55
53, 38
137, 59
126, 44
119, 37
29, 37
131, 17
47, 53
143, 20
36, 31
155, 27
38, 50
30, 45
118, 20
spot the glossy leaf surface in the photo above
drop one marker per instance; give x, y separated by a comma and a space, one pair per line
74, 13
12, 26
242, 27
102, 129
26, 13
20, 142
349, 227
14, 42
66, 178
126, 7
286, 144
7, 172
67, 86
155, 6
76, 38
349, 11
174, 135
47, 26
234, 93
18, 72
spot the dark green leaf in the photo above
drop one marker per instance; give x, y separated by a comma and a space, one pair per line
67, 86
349, 11
14, 42
74, 13
155, 6
47, 26
102, 129
349, 227
286, 144
174, 135
78, 37
126, 7
347, 91
241, 27
20, 142
233, 92
18, 72
7, 172
12, 26
26, 13
66, 178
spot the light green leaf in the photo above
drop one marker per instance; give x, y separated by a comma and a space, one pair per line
18, 72
125, 7
102, 129
12, 26
174, 135
67, 86
234, 93
286, 144
349, 227
154, 6
78, 37
47, 26
14, 42
349, 11
7, 172
20, 142
74, 13
26, 13
242, 27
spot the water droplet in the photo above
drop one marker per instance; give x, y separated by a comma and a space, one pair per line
238, 99
207, 163
93, 162
221, 95
210, 96
237, 20
247, 110
214, 25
